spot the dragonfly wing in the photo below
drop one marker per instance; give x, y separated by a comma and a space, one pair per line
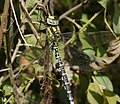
99, 38
80, 59
94, 38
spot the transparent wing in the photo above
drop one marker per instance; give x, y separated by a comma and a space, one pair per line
78, 58
94, 38
99, 38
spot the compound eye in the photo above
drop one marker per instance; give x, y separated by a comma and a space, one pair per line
51, 21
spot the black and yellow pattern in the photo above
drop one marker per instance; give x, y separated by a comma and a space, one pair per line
54, 37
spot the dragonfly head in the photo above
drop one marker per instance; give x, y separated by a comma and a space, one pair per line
52, 20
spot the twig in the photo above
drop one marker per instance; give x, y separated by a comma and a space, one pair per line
6, 77
4, 20
9, 64
15, 88
2, 70
9, 99
73, 21
18, 70
16, 50
17, 21
91, 19
105, 20
72, 9
82, 28
33, 9
30, 22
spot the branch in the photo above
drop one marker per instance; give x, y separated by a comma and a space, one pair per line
4, 20
73, 21
16, 50
72, 9
2, 70
17, 21
30, 22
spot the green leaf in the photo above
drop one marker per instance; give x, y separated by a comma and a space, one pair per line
7, 90
26, 76
111, 97
85, 19
94, 94
31, 3
30, 38
116, 18
34, 16
84, 82
103, 3
104, 81
83, 40
37, 16
101, 51
86, 47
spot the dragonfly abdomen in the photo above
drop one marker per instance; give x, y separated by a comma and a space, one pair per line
63, 74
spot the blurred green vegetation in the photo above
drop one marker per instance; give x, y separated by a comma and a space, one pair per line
28, 59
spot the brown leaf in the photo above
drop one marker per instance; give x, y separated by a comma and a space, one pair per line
113, 53
114, 47
95, 66
23, 61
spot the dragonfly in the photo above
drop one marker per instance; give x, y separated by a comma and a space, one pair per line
54, 32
